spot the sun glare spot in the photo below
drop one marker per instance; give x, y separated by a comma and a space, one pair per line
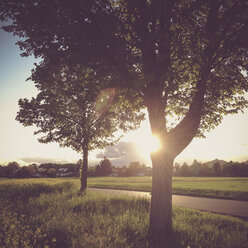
154, 144
148, 144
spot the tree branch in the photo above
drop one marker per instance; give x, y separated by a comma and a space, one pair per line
180, 136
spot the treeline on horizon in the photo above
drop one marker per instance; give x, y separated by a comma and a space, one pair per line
216, 168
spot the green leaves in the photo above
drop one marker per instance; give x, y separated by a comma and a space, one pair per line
165, 49
71, 108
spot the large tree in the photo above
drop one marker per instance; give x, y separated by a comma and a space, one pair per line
186, 59
72, 110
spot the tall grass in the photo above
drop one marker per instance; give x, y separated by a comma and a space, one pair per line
22, 190
61, 218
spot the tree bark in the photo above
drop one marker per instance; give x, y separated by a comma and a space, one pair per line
84, 171
172, 143
160, 226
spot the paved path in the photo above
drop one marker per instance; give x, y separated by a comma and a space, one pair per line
230, 207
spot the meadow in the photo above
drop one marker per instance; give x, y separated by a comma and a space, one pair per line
234, 188
49, 213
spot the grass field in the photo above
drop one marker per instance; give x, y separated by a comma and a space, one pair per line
216, 187
49, 213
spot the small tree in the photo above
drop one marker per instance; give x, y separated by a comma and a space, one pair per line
217, 169
185, 170
11, 168
72, 111
194, 169
104, 168
134, 168
14, 165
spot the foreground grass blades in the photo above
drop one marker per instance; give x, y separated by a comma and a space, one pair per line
61, 218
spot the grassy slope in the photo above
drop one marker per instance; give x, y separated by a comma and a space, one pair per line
62, 218
216, 187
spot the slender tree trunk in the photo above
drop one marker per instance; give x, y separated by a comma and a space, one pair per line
160, 226
84, 170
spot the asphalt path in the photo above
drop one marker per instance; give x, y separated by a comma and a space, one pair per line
221, 206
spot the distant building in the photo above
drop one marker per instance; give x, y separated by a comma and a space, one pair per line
63, 172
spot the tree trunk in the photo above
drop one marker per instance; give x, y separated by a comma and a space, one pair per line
84, 170
160, 226
172, 143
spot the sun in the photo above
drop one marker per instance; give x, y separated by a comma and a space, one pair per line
145, 142
148, 144
154, 144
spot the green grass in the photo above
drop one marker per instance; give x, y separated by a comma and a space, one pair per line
23, 189
56, 216
215, 187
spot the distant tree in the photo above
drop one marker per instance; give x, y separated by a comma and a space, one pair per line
123, 171
92, 171
11, 168
195, 163
33, 168
183, 58
217, 169
228, 170
185, 170
239, 170
51, 172
48, 166
176, 169
26, 171
244, 168
2, 171
133, 168
73, 168
105, 167
13, 165
70, 109
194, 169
235, 169
206, 171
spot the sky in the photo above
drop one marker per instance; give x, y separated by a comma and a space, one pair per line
228, 141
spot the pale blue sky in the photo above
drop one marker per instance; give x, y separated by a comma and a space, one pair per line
229, 141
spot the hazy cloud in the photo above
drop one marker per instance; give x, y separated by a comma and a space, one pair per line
121, 154
42, 160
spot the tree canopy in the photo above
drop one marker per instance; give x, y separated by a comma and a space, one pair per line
136, 43
70, 109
